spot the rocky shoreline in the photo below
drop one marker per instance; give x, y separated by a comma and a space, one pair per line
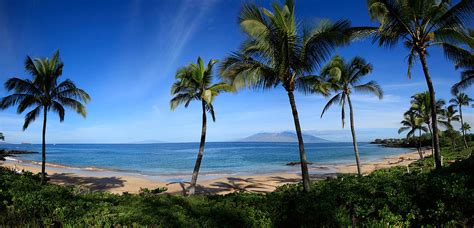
5, 153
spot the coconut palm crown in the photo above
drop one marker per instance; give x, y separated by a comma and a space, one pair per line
194, 82
280, 51
44, 93
344, 78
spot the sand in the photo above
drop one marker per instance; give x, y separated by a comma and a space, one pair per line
119, 182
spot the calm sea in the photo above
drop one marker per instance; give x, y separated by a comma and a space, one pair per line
219, 157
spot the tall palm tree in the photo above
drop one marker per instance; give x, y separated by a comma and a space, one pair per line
461, 99
278, 51
344, 78
2, 137
194, 82
421, 24
448, 117
412, 123
44, 93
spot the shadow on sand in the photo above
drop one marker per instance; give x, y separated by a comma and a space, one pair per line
234, 184
93, 183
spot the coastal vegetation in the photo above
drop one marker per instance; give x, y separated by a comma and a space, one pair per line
194, 83
44, 93
415, 196
344, 79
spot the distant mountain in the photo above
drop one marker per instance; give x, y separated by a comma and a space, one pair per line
151, 141
286, 136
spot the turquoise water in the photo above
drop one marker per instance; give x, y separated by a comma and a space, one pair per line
219, 157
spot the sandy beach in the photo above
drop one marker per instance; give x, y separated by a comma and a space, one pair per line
119, 182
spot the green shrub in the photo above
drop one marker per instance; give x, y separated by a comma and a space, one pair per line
387, 197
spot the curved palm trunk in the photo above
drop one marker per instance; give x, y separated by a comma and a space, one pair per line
462, 128
303, 160
197, 165
43, 148
434, 118
419, 144
354, 140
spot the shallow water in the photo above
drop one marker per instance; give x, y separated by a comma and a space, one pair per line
219, 157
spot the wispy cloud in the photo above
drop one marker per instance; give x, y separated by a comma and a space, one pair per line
189, 16
403, 85
388, 98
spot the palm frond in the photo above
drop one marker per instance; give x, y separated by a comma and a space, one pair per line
465, 82
31, 116
12, 100
73, 104
59, 109
180, 98
370, 87
336, 98
319, 44
244, 71
312, 84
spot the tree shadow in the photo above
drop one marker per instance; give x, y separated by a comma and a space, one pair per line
232, 184
92, 183
281, 180
292, 180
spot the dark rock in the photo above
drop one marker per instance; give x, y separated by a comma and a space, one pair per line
11, 152
297, 163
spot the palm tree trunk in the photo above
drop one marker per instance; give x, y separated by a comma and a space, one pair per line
43, 148
354, 140
434, 118
303, 160
419, 144
462, 127
197, 166
432, 144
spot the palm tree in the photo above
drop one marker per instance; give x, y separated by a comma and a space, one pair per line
466, 127
345, 78
279, 52
2, 137
194, 82
412, 123
421, 105
449, 116
461, 99
421, 24
44, 93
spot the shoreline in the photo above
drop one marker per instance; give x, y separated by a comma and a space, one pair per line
114, 181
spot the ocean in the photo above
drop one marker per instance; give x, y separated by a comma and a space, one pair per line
233, 158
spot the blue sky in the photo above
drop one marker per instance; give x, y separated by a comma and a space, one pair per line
125, 53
